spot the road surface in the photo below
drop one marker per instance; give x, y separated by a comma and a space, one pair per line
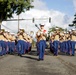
28, 64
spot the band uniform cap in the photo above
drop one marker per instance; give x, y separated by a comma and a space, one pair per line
42, 24
56, 28
64, 32
73, 29
69, 30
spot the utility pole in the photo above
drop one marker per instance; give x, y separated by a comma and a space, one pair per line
18, 22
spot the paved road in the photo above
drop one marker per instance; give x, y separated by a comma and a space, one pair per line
28, 65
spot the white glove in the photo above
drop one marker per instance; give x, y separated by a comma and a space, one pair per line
41, 32
38, 34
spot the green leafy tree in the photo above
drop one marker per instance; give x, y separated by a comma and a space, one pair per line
9, 7
74, 22
54, 28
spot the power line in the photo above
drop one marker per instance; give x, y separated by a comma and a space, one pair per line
33, 19
8, 28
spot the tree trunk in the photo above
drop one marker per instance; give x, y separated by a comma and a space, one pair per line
0, 24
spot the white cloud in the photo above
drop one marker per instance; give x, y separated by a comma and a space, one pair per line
40, 11
74, 2
39, 4
60, 19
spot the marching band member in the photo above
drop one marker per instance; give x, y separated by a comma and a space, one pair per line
56, 42
66, 43
41, 42
52, 37
20, 43
69, 42
62, 44
73, 42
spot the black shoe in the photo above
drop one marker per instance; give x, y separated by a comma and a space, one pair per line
42, 59
37, 54
39, 59
55, 54
72, 55
20, 55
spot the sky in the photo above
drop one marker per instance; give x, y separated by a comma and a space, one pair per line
61, 13
65, 6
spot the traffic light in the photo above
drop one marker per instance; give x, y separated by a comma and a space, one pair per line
33, 20
49, 19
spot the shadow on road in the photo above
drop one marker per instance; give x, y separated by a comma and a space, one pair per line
34, 53
64, 54
29, 57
